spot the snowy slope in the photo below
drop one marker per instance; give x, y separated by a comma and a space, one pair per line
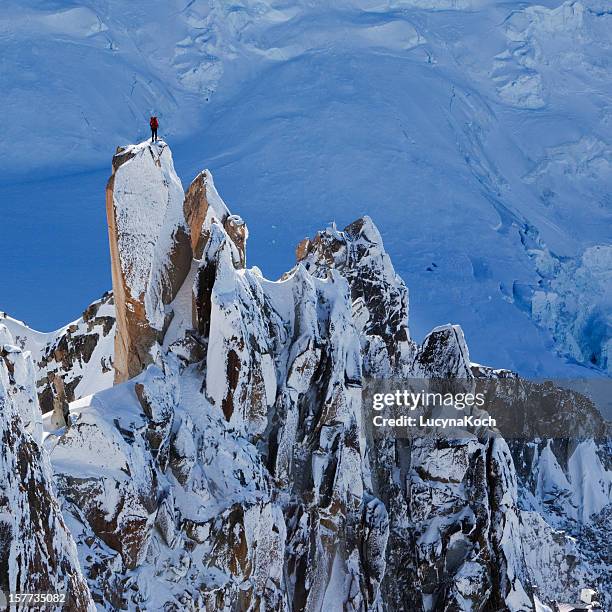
475, 133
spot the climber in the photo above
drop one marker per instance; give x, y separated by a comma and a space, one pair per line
154, 123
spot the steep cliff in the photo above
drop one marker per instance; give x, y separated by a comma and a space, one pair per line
150, 250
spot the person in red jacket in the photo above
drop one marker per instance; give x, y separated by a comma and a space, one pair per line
154, 123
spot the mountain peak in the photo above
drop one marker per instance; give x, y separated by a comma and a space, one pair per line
150, 249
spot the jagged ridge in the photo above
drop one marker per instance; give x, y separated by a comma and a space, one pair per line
231, 467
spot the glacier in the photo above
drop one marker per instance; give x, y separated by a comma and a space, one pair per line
475, 133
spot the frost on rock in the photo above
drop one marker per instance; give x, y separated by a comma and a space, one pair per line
73, 361
440, 484
552, 559
37, 550
443, 354
18, 377
150, 250
114, 488
232, 468
379, 297
283, 367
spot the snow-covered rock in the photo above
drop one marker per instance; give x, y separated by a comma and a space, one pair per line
37, 549
379, 296
18, 377
150, 250
464, 127
74, 361
232, 465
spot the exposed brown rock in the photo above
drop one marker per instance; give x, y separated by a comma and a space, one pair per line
203, 207
61, 412
238, 233
123, 361
136, 334
195, 209
302, 249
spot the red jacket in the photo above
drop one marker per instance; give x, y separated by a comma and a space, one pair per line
154, 123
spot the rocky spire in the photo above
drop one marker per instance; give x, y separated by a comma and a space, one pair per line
204, 207
379, 296
150, 247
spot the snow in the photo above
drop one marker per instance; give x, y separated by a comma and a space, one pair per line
29, 339
579, 492
524, 92
148, 201
591, 481
438, 5
182, 307
216, 203
552, 482
548, 554
540, 607
93, 378
39, 550
106, 453
20, 385
334, 593
91, 374
574, 303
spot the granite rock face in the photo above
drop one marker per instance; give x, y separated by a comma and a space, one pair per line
150, 248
